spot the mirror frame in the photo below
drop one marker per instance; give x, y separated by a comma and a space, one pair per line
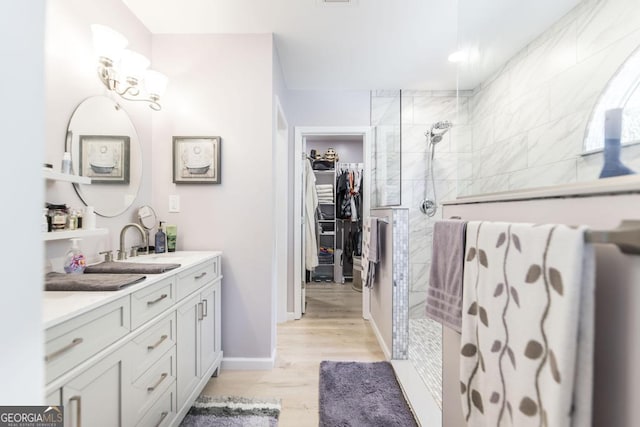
134, 165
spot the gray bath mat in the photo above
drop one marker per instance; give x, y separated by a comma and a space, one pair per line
232, 411
354, 394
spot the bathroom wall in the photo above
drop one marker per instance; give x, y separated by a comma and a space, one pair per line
23, 113
222, 85
529, 119
70, 77
451, 169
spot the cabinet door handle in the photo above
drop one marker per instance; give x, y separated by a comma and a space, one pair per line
75, 342
78, 409
153, 347
162, 417
153, 387
201, 275
200, 311
205, 310
160, 298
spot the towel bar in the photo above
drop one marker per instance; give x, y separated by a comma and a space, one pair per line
626, 236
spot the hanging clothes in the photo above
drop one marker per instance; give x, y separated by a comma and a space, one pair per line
310, 206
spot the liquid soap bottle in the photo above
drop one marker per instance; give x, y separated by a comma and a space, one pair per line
161, 239
74, 260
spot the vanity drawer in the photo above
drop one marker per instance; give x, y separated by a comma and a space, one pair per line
194, 278
153, 383
162, 412
77, 339
149, 346
151, 301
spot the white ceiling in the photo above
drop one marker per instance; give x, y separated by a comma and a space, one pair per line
369, 44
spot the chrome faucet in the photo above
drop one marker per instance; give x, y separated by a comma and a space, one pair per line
122, 253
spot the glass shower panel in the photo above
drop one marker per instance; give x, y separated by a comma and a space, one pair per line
386, 161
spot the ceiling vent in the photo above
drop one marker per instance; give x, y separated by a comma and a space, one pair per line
338, 2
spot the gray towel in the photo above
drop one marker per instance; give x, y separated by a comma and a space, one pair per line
89, 282
444, 297
129, 267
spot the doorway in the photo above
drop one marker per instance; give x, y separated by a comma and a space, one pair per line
330, 236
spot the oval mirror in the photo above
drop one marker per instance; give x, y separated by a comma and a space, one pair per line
104, 146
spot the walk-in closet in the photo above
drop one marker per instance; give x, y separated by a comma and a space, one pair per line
333, 194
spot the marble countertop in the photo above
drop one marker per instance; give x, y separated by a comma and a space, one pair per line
61, 306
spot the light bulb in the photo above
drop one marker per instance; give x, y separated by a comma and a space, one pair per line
108, 43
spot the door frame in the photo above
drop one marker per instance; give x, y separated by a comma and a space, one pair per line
281, 209
301, 133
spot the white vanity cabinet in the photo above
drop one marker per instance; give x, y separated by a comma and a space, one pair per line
198, 340
95, 397
140, 356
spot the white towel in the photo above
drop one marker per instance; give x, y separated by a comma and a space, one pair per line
370, 251
310, 206
527, 326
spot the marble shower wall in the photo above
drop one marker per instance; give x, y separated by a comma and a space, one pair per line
529, 119
419, 110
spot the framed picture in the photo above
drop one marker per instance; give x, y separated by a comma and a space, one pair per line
105, 158
196, 159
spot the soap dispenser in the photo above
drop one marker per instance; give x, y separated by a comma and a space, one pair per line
74, 260
161, 239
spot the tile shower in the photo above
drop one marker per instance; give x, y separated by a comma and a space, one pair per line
401, 121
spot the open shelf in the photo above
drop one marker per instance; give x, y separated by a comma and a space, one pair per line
52, 175
72, 234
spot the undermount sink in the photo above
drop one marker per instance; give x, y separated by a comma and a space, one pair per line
157, 258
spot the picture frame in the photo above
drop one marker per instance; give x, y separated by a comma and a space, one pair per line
196, 160
105, 158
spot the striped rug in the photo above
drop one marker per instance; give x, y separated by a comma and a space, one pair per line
232, 411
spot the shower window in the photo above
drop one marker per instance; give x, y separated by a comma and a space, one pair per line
623, 91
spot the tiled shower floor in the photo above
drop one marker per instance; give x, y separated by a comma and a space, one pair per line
425, 352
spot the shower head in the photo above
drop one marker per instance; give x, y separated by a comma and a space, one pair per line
436, 138
437, 131
443, 125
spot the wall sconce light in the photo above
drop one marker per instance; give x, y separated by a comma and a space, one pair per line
124, 71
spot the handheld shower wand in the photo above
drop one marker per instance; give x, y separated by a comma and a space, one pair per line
428, 206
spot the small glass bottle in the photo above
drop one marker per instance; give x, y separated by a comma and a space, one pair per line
72, 220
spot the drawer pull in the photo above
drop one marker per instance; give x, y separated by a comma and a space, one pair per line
201, 275
162, 417
160, 298
153, 387
205, 309
78, 409
75, 342
153, 347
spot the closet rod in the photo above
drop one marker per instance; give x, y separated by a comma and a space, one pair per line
626, 236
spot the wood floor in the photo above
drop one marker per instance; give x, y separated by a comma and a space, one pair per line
331, 329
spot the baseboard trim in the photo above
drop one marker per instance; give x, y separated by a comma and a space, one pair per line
249, 363
291, 316
383, 345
